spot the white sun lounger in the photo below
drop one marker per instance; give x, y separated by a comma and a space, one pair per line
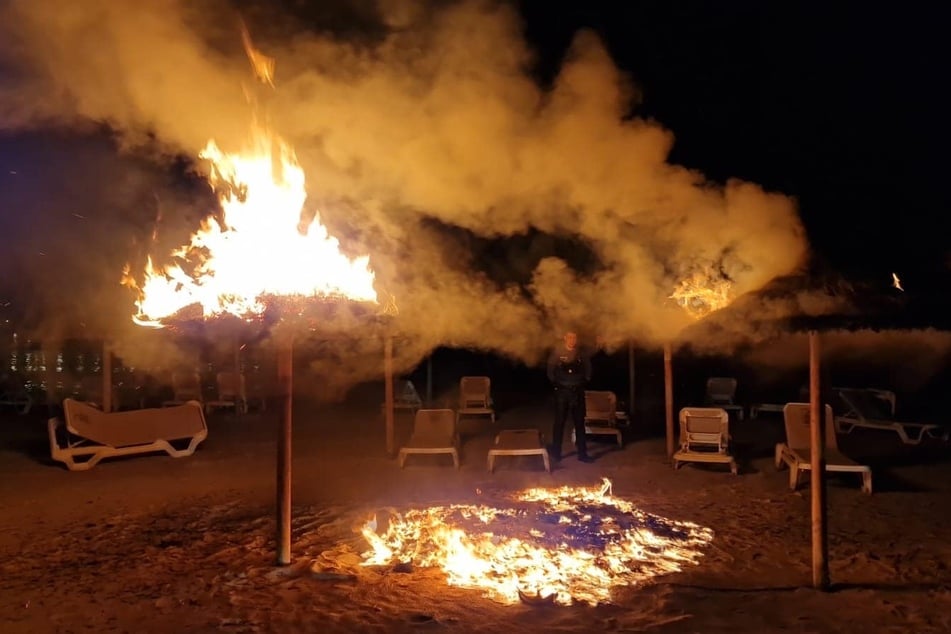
186, 386
705, 437
875, 409
721, 392
91, 434
475, 397
601, 416
796, 454
231, 392
518, 442
434, 432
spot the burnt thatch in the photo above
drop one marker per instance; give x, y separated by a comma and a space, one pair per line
824, 301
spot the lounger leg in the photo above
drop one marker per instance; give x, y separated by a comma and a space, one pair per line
794, 477
779, 456
491, 462
455, 458
547, 462
402, 459
910, 440
733, 467
867, 482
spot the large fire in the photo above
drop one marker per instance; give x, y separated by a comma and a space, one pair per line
260, 249
702, 293
565, 545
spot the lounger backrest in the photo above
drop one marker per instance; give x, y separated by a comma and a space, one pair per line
721, 390
796, 418
186, 386
866, 403
231, 386
134, 427
704, 426
435, 423
474, 391
406, 393
600, 405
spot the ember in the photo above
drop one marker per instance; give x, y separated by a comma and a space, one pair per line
566, 545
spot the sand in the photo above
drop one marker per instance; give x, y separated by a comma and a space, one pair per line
155, 544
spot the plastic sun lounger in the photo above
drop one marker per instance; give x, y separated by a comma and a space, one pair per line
705, 437
721, 390
874, 409
185, 387
600, 416
518, 442
405, 396
232, 392
434, 432
796, 454
475, 397
92, 435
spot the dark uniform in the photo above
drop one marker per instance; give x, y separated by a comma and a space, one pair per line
569, 371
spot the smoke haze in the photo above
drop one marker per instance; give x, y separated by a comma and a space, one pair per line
425, 118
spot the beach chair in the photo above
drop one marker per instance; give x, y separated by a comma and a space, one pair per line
186, 386
705, 437
434, 432
475, 397
518, 442
13, 393
405, 396
721, 392
796, 454
231, 392
89, 435
601, 416
875, 409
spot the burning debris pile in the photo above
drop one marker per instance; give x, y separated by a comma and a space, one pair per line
565, 545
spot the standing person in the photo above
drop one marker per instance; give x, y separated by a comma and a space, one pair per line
569, 370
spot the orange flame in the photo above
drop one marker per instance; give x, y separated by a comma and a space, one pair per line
703, 293
260, 249
566, 545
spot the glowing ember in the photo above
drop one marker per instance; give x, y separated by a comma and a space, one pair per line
566, 545
896, 282
261, 250
703, 293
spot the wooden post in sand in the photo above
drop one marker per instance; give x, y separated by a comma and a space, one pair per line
630, 381
669, 399
285, 379
817, 423
106, 376
429, 380
388, 393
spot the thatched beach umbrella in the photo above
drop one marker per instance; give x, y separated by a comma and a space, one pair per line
816, 304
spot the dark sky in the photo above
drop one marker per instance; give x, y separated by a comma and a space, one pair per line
837, 104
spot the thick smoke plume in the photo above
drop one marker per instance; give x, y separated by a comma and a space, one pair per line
419, 134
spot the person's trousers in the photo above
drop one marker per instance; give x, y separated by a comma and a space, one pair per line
569, 402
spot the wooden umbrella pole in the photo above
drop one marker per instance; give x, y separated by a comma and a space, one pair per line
429, 380
388, 393
630, 381
285, 375
669, 399
817, 423
107, 404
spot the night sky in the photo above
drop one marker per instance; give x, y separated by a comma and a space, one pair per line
838, 105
